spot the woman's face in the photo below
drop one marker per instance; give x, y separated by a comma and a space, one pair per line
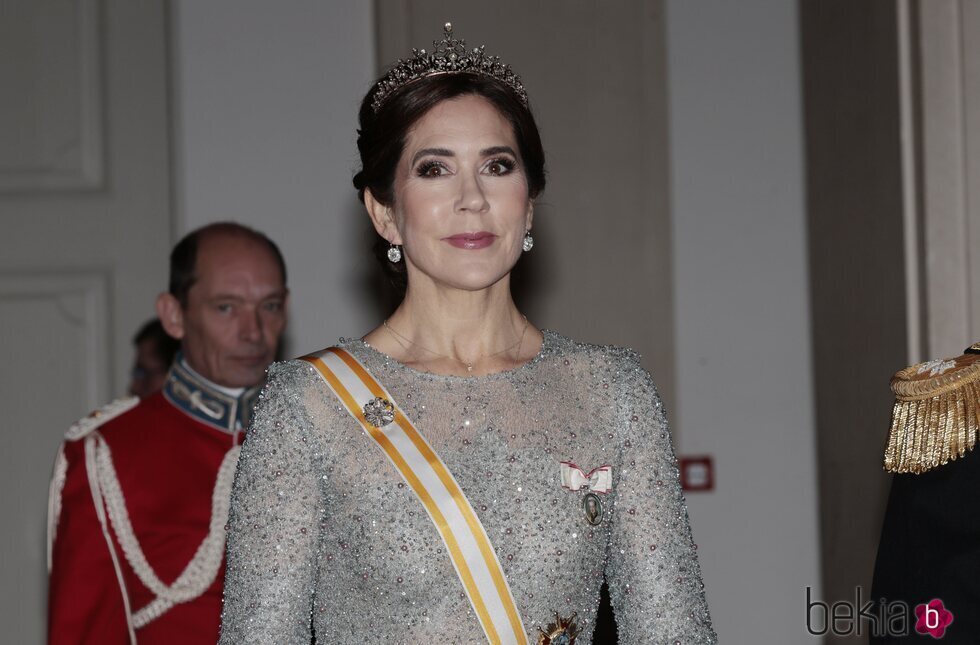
461, 204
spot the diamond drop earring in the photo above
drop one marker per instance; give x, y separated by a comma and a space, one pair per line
528, 242
395, 253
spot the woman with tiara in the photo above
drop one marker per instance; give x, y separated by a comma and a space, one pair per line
457, 474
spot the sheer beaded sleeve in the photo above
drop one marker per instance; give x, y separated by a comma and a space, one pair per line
653, 572
274, 519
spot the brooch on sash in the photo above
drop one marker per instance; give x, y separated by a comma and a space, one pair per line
561, 632
597, 480
379, 412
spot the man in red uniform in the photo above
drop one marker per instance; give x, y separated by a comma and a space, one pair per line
140, 493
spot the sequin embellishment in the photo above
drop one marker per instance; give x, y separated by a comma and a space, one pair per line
379, 412
305, 453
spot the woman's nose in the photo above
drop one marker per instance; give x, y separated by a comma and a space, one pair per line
472, 197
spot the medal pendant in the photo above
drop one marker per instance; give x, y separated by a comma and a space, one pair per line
561, 632
592, 509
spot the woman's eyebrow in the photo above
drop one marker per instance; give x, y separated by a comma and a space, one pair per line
497, 150
445, 152
439, 152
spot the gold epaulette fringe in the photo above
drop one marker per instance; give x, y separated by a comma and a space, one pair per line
936, 418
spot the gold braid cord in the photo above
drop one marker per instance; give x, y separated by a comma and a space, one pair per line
936, 418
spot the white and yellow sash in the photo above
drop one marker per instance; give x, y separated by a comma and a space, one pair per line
465, 538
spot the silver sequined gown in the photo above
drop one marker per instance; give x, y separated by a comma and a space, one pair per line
324, 536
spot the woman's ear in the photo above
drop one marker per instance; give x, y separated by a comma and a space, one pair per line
382, 218
529, 218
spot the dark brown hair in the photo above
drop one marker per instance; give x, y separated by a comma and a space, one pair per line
381, 138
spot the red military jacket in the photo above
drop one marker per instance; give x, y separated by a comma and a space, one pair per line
170, 459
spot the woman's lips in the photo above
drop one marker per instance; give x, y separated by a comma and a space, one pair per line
480, 240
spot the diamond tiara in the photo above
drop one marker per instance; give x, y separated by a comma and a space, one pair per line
449, 57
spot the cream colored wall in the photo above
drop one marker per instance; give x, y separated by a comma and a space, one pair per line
854, 185
265, 103
943, 164
742, 319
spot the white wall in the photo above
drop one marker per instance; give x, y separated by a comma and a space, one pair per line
265, 105
743, 361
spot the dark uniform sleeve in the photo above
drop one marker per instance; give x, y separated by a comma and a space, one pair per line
930, 548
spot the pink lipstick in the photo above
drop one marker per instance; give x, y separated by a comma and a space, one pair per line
478, 240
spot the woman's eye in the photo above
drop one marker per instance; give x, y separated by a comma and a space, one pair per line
500, 166
431, 169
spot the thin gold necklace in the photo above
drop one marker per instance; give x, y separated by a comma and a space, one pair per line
469, 365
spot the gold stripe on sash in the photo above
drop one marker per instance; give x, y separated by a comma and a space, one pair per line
473, 523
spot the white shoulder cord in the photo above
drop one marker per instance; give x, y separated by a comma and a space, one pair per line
79, 430
203, 568
91, 445
54, 499
200, 572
